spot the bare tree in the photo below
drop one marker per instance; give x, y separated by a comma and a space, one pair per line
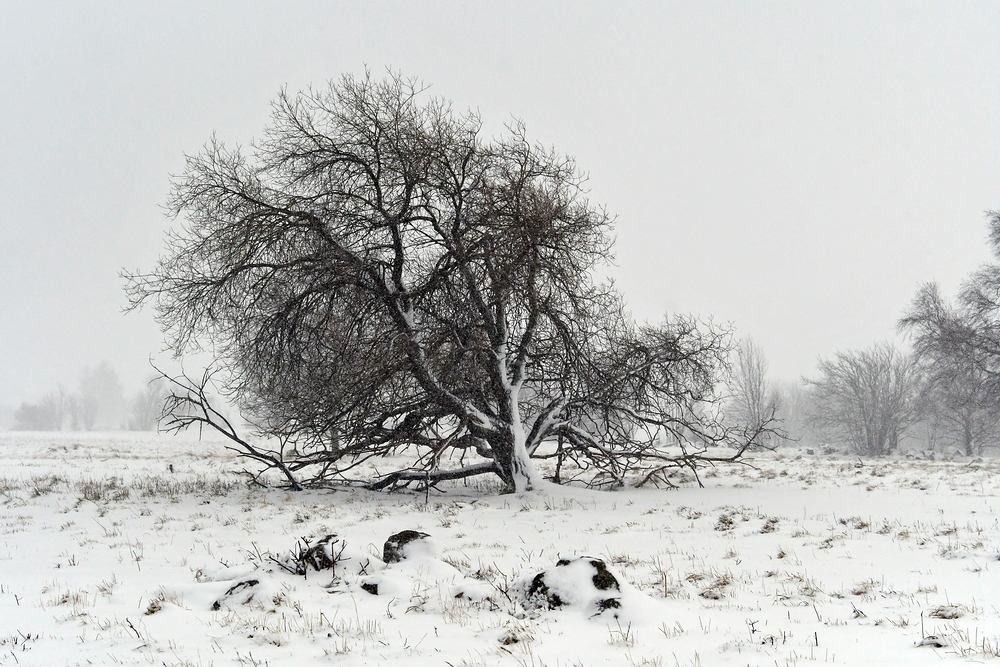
794, 404
100, 400
376, 276
32, 417
146, 407
753, 399
973, 325
959, 392
867, 397
55, 412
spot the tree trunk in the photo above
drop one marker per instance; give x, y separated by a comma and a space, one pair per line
514, 466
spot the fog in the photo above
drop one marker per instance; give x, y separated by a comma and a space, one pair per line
795, 169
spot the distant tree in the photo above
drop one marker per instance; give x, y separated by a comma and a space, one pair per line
96, 404
32, 417
974, 323
960, 386
146, 407
378, 277
794, 404
867, 397
55, 412
100, 399
753, 400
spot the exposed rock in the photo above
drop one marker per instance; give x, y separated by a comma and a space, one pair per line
603, 580
539, 592
933, 641
243, 586
394, 548
608, 603
583, 581
370, 587
324, 554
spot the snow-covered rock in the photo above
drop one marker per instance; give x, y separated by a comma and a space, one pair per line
583, 582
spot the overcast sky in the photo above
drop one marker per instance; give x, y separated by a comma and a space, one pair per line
797, 169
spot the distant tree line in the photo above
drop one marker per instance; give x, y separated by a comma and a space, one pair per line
98, 404
942, 394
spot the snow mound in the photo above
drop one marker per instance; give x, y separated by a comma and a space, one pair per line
582, 582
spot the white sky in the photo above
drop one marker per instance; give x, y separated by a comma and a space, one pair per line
797, 169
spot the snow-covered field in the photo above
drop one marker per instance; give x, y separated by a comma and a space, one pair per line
122, 549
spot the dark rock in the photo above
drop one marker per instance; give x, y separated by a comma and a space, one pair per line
235, 589
933, 641
539, 591
319, 556
392, 552
540, 594
608, 603
370, 587
243, 585
324, 554
603, 580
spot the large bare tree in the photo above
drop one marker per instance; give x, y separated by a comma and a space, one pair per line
867, 397
956, 348
376, 276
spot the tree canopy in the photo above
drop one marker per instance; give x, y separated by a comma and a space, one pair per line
867, 397
958, 347
375, 276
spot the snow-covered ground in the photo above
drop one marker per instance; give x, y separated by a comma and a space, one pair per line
122, 549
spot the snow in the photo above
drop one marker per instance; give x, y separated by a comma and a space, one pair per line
110, 556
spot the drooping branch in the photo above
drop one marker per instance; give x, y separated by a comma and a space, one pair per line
188, 405
402, 478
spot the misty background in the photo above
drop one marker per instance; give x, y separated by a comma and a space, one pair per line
797, 170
